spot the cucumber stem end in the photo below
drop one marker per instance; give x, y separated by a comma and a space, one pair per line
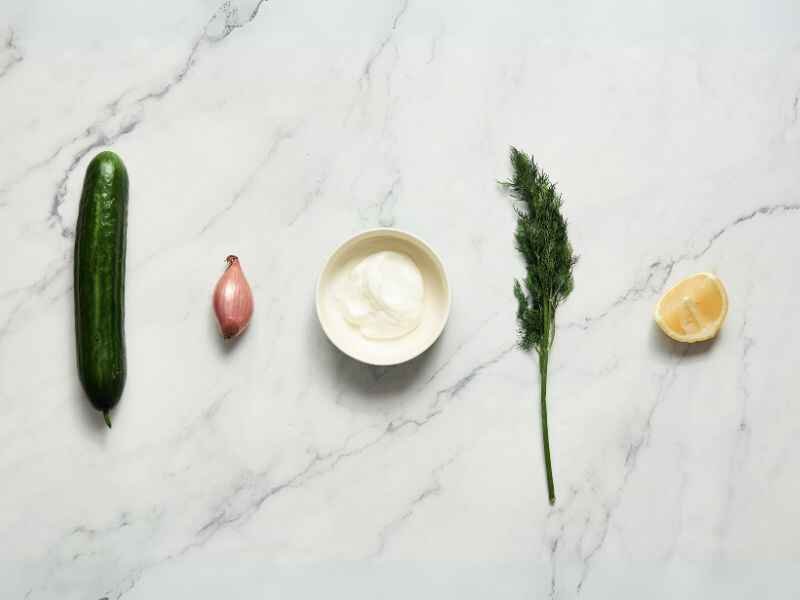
107, 418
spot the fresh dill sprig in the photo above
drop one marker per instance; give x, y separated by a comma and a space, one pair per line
541, 238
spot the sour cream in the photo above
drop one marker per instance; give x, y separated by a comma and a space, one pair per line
383, 295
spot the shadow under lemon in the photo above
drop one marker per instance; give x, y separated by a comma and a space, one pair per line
666, 346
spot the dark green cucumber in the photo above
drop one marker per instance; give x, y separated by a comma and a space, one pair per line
100, 281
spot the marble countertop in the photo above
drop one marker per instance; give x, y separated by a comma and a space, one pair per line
279, 468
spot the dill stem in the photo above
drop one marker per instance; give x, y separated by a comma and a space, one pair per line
544, 354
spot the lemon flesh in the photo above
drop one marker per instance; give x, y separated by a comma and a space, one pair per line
694, 309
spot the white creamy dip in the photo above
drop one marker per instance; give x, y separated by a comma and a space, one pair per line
382, 295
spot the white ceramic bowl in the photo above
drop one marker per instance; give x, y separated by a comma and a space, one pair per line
436, 306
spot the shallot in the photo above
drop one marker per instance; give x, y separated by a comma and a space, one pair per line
233, 300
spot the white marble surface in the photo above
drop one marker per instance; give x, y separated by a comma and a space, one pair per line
277, 468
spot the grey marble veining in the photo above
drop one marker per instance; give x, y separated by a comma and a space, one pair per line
277, 467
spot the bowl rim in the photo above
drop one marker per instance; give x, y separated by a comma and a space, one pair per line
372, 232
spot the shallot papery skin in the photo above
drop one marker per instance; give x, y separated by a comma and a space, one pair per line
233, 300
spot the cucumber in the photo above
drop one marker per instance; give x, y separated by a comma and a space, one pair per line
100, 281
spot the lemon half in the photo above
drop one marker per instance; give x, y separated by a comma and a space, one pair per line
694, 309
